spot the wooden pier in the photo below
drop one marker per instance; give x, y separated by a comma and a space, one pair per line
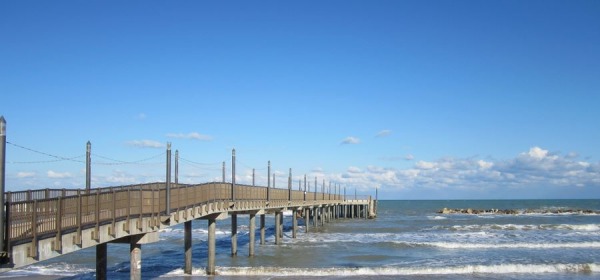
42, 224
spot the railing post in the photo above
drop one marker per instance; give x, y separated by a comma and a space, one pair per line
34, 229
168, 183
3, 247
88, 167
58, 241
77, 237
233, 175
114, 212
97, 229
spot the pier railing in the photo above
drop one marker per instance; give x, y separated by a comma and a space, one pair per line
41, 213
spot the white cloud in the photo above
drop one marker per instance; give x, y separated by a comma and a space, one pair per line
353, 169
191, 135
58, 175
25, 174
384, 133
537, 153
425, 165
535, 168
350, 140
409, 157
485, 164
146, 144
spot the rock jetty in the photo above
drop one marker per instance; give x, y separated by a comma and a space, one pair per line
470, 211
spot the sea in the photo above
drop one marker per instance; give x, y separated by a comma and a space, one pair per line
407, 240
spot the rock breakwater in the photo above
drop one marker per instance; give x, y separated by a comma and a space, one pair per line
470, 211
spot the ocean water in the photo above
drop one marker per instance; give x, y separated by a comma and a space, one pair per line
408, 240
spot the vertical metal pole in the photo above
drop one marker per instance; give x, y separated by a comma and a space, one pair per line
233, 175
176, 167
329, 190
168, 179
269, 181
290, 186
88, 166
253, 176
323, 189
223, 172
316, 187
3, 248
305, 188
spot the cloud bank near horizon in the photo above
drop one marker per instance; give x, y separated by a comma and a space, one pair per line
534, 168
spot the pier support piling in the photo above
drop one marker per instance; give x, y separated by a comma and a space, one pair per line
252, 235
135, 260
278, 227
188, 247
210, 266
101, 261
294, 223
306, 212
233, 235
262, 229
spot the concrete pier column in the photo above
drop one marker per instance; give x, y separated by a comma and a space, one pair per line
210, 265
262, 229
322, 216
135, 260
306, 212
277, 228
315, 216
294, 223
252, 235
187, 244
233, 234
281, 225
101, 261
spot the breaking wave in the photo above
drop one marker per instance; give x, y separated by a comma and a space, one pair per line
371, 271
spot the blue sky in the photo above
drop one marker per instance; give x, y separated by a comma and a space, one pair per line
421, 99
